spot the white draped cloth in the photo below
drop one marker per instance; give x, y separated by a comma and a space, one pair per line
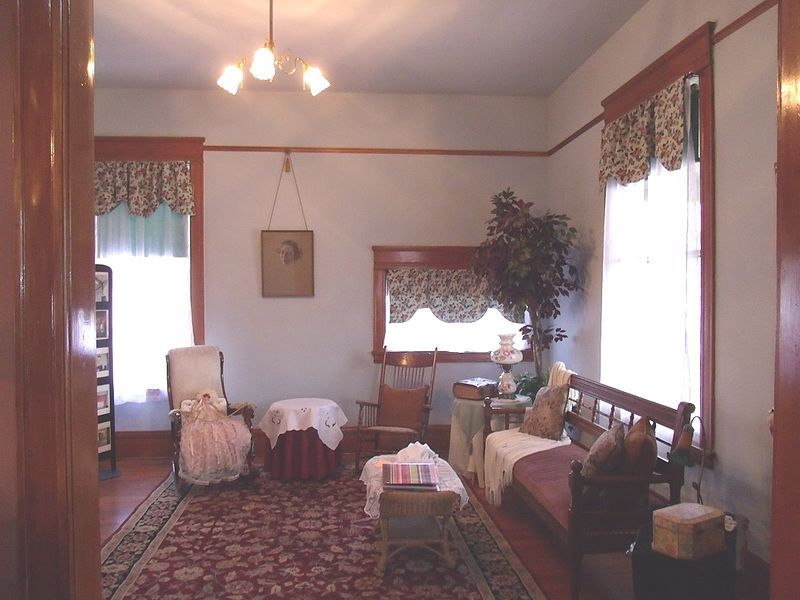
505, 448
297, 414
372, 475
214, 446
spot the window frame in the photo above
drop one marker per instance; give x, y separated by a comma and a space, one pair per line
171, 149
691, 55
430, 257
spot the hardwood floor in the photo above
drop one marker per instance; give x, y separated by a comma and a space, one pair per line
120, 495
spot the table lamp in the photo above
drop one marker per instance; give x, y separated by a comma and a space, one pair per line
506, 356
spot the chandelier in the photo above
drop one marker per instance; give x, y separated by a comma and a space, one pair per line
266, 61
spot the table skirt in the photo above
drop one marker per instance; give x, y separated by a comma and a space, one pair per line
301, 455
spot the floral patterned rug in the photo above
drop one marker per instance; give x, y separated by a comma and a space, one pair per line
257, 539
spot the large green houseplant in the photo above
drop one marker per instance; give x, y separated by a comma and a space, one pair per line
526, 261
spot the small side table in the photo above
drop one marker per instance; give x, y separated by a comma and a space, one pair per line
413, 518
466, 435
304, 436
660, 577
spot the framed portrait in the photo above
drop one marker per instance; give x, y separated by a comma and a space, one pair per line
102, 362
103, 437
287, 263
103, 399
101, 324
101, 287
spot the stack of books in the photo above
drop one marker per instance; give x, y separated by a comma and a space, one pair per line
475, 388
410, 476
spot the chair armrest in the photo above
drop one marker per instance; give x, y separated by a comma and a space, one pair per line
245, 409
490, 411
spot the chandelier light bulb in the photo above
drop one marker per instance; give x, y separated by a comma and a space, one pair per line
313, 79
263, 64
231, 78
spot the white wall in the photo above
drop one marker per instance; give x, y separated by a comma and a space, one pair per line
286, 347
745, 140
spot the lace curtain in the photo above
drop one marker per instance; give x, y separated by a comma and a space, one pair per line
654, 129
452, 295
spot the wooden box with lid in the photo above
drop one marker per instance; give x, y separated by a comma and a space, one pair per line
688, 531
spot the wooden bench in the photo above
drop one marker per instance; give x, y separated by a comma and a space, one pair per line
552, 486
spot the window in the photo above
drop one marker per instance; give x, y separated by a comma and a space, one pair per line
657, 167
412, 285
157, 260
650, 341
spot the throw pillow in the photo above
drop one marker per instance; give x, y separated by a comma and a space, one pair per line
401, 407
639, 454
546, 418
606, 452
639, 451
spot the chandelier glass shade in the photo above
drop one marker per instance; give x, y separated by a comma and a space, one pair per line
265, 62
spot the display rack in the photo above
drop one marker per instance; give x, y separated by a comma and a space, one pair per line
106, 444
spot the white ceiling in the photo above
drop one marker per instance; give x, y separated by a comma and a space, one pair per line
485, 47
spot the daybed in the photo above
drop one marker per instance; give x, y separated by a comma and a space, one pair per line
600, 513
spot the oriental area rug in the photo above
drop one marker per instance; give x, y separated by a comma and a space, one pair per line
260, 539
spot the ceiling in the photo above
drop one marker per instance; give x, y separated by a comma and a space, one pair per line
484, 47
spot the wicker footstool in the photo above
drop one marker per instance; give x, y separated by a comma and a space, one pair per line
418, 518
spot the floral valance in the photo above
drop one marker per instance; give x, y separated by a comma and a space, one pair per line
143, 186
452, 295
654, 129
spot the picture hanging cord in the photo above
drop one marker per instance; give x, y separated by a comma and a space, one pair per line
286, 167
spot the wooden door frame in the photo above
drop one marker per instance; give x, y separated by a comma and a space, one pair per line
49, 516
785, 542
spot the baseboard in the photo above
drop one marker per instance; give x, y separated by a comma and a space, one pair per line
143, 444
158, 444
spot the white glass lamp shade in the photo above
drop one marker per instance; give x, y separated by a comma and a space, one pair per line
231, 79
506, 354
313, 79
263, 64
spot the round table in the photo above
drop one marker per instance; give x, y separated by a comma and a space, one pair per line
304, 436
466, 434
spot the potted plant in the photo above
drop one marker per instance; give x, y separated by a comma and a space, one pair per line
526, 261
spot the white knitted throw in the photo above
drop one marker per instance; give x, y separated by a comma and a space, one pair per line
503, 450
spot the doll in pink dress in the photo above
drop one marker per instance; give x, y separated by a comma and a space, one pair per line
214, 446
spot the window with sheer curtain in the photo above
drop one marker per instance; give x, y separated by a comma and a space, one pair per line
657, 175
650, 343
142, 233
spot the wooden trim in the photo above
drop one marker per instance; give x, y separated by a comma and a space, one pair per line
367, 150
785, 531
197, 254
144, 444
690, 55
577, 134
737, 24
148, 148
166, 149
50, 541
707, 258
435, 257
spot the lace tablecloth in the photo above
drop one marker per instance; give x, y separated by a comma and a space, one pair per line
297, 414
372, 476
